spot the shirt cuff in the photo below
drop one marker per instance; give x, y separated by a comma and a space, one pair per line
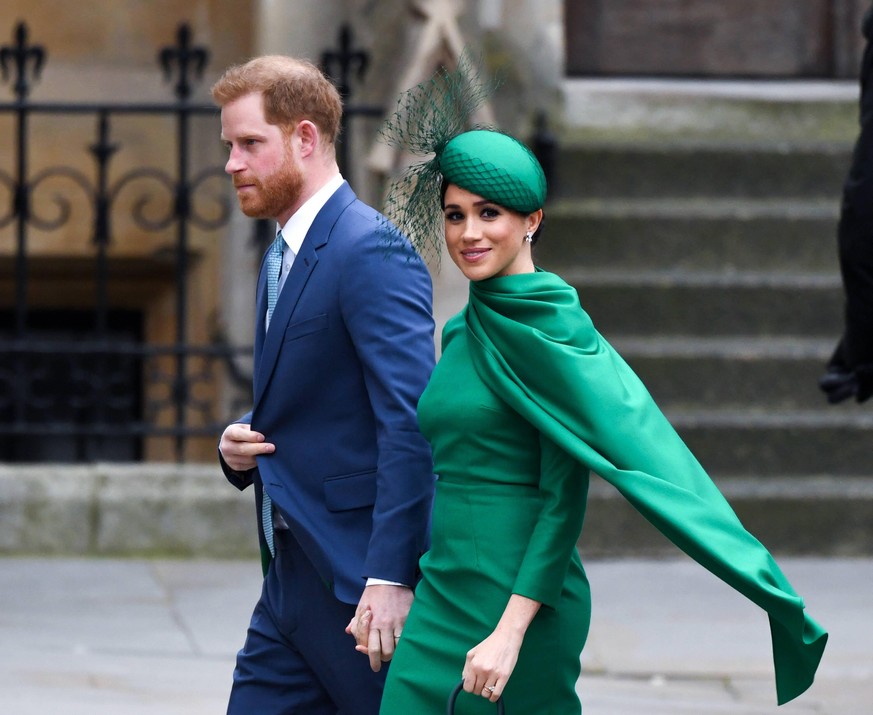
383, 582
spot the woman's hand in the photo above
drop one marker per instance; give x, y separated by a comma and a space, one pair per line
490, 663
359, 627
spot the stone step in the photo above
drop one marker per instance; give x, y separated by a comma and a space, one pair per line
698, 222
757, 443
603, 169
802, 515
710, 234
711, 110
710, 303
126, 509
752, 372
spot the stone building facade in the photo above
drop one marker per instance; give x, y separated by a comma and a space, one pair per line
105, 50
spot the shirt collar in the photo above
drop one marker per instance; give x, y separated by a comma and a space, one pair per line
296, 228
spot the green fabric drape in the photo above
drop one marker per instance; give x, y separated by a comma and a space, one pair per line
535, 347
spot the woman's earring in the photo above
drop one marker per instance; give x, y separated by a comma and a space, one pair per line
529, 237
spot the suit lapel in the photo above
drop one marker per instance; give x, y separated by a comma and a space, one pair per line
303, 267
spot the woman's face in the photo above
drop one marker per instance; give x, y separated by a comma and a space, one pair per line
485, 239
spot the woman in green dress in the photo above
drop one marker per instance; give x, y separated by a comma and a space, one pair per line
527, 400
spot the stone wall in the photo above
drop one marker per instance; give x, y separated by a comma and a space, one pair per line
112, 509
712, 38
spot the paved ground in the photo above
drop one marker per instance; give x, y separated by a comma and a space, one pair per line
130, 637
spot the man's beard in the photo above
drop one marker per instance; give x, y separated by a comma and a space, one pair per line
273, 196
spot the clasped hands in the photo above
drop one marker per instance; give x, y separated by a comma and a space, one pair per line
378, 622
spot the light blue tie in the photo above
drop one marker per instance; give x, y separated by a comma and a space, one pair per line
274, 265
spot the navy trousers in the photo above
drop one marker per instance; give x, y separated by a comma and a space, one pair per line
297, 658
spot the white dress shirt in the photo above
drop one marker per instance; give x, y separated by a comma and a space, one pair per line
296, 228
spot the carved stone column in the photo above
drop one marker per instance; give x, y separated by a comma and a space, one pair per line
297, 28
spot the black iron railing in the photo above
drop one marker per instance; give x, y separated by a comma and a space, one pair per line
81, 382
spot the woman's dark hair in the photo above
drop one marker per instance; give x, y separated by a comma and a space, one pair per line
535, 236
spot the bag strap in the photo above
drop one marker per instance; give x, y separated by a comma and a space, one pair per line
454, 696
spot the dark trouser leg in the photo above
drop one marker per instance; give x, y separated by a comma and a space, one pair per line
850, 369
297, 659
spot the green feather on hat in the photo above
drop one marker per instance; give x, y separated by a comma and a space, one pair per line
434, 118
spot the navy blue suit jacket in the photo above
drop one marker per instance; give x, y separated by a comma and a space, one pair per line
336, 383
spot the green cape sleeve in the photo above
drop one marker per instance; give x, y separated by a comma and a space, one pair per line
535, 347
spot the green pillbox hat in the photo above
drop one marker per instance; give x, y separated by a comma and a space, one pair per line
496, 167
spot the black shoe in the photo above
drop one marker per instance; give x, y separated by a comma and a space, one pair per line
838, 384
864, 377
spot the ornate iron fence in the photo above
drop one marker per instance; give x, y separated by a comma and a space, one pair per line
82, 382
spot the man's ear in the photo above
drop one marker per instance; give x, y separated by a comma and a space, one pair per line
307, 134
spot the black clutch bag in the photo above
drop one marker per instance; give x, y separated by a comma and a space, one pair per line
454, 696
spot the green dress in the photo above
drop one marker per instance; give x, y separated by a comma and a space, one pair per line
526, 400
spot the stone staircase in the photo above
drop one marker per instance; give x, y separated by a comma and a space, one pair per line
708, 260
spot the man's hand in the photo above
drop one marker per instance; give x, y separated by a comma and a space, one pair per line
379, 621
240, 444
